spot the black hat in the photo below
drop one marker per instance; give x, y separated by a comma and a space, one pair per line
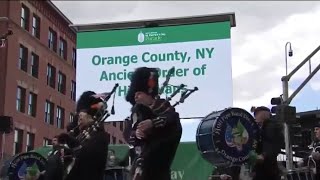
317, 125
255, 110
143, 79
86, 101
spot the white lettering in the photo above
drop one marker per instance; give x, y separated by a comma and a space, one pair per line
176, 175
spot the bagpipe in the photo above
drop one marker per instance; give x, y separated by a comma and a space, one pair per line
73, 141
157, 109
101, 115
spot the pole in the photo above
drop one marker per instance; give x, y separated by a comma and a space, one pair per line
287, 100
288, 145
3, 144
286, 130
286, 58
303, 84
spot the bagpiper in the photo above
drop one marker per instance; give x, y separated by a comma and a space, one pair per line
154, 129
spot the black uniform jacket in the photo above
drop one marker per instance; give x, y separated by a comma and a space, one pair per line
54, 169
272, 140
91, 160
160, 146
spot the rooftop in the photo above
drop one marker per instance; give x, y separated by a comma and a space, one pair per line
61, 14
157, 22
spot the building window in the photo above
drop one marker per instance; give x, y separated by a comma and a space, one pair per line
52, 40
32, 104
63, 48
21, 99
36, 26
74, 58
49, 110
30, 141
47, 141
60, 117
114, 124
73, 90
34, 65
62, 82
25, 17
71, 117
120, 142
114, 140
23, 58
18, 139
51, 76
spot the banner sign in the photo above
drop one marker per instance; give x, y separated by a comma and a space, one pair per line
200, 53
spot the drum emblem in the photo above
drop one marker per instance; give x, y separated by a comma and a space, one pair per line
28, 165
236, 136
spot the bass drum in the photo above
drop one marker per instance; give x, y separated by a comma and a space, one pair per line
29, 165
227, 137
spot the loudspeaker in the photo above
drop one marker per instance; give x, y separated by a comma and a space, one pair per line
6, 124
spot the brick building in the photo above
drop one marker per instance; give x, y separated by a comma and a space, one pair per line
115, 130
37, 73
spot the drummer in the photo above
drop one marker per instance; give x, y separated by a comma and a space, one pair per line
55, 145
266, 167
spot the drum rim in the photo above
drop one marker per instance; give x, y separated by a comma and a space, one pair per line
27, 153
201, 122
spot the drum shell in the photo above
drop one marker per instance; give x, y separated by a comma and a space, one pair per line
216, 136
204, 139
